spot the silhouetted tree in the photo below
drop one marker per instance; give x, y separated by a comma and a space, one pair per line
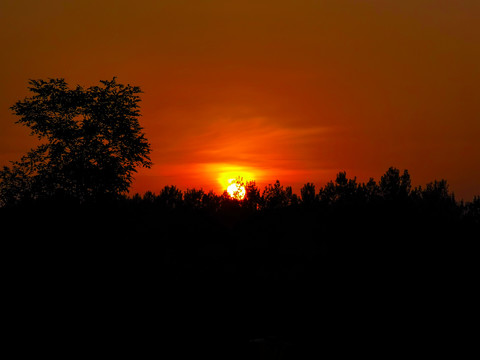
342, 191
275, 197
16, 185
327, 195
307, 194
227, 203
437, 192
252, 196
292, 198
347, 188
437, 199
149, 197
473, 210
170, 197
192, 198
394, 186
371, 191
211, 201
137, 199
92, 142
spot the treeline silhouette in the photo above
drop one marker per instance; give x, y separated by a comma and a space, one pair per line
376, 255
394, 193
376, 268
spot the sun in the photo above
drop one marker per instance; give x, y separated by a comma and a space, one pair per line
236, 189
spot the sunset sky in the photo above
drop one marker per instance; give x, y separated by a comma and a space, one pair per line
290, 90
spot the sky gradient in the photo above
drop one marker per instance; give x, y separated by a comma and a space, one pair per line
289, 90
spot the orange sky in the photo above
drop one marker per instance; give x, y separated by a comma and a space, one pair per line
289, 90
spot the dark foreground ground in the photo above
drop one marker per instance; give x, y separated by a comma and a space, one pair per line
141, 281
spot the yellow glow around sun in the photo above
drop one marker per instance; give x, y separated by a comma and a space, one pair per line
224, 173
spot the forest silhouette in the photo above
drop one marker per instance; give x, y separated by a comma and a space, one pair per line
370, 264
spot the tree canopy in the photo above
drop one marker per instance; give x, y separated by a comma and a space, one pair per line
91, 142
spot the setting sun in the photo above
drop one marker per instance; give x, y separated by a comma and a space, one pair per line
236, 189
223, 175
